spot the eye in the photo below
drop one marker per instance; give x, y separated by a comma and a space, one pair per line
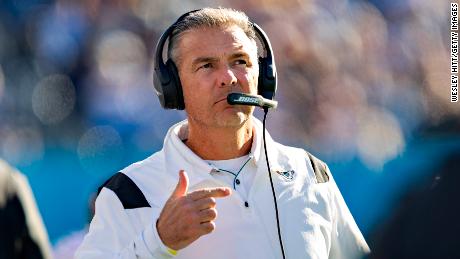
205, 66
240, 62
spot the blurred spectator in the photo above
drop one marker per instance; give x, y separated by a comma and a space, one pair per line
22, 234
426, 224
355, 74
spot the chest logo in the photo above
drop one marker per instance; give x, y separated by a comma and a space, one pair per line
287, 175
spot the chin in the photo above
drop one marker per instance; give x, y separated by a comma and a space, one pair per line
236, 119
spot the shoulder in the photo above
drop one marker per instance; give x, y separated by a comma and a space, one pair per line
152, 163
127, 183
320, 169
127, 192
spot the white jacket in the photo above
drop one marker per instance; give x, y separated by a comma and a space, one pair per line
315, 221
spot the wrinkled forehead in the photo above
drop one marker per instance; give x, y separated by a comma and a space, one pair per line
215, 39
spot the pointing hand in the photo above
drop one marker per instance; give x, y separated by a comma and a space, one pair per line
187, 216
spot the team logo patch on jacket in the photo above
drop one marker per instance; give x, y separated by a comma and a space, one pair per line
287, 175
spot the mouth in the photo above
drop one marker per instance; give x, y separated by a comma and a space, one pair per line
224, 98
220, 100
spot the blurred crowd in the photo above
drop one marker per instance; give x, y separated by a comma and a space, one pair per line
360, 76
357, 79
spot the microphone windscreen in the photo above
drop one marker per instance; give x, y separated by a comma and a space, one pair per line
249, 99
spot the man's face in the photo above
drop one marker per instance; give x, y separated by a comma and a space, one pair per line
212, 63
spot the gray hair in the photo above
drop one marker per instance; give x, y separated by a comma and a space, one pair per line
211, 18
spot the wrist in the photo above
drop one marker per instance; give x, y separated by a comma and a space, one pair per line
168, 248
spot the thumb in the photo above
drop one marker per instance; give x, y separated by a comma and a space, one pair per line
182, 185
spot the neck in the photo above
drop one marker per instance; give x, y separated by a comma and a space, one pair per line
220, 143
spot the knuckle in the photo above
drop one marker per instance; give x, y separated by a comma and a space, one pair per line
207, 214
211, 226
208, 227
212, 201
213, 213
200, 194
193, 195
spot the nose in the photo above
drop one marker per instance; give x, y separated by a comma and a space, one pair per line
227, 77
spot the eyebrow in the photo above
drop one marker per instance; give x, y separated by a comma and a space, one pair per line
239, 55
199, 60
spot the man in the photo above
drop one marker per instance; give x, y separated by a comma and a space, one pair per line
207, 193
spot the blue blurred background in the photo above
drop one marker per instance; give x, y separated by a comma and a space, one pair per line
364, 85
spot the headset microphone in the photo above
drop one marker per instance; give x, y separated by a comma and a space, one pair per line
252, 100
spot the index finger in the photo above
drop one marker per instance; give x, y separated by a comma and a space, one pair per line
218, 192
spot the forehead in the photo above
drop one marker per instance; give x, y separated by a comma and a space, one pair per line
215, 42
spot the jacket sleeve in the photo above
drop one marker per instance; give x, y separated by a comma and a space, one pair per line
116, 232
346, 238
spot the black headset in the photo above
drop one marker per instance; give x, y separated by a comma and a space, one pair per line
166, 76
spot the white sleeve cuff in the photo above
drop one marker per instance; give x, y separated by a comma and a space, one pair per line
155, 245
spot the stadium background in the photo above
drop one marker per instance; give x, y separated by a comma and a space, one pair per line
365, 85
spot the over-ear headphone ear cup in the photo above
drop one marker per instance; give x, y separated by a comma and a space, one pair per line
260, 84
267, 79
175, 95
158, 86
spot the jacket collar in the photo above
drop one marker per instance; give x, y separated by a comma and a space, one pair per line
183, 157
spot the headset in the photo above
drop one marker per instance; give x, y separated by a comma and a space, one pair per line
166, 79
169, 89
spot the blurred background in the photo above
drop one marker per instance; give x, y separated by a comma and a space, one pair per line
364, 85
